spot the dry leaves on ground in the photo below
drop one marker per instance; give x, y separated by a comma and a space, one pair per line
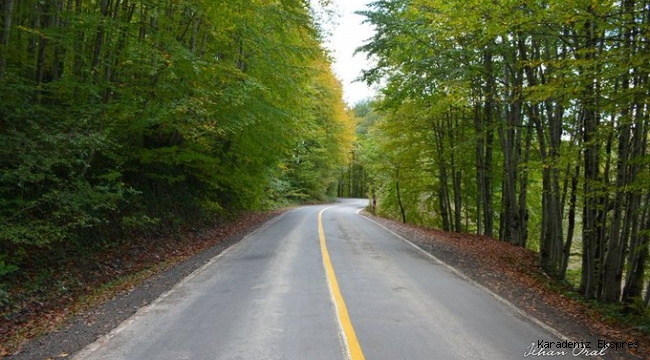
513, 273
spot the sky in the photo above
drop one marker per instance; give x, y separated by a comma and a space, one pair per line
348, 33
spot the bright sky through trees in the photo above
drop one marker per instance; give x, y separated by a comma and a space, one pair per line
346, 33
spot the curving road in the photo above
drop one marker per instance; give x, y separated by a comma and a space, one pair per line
355, 291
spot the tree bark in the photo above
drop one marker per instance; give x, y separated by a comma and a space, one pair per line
8, 8
486, 192
523, 186
571, 217
636, 219
443, 178
456, 174
549, 133
593, 186
637, 259
99, 40
511, 230
399, 196
480, 172
613, 266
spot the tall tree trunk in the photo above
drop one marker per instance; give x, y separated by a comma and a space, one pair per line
604, 209
349, 194
59, 51
614, 257
99, 40
43, 21
593, 186
78, 62
571, 217
637, 259
399, 196
443, 179
8, 9
480, 168
523, 185
122, 43
486, 192
554, 226
549, 134
458, 202
510, 136
456, 176
638, 221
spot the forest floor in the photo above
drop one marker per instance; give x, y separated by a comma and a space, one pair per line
57, 328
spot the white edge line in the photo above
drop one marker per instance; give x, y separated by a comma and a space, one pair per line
516, 309
91, 348
343, 340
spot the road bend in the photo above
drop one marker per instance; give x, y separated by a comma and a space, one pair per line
323, 282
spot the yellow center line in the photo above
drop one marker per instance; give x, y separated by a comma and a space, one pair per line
353, 346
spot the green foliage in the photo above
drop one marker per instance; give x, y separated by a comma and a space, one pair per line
524, 122
6, 268
130, 117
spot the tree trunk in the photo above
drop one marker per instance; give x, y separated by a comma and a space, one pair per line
637, 259
523, 186
480, 171
486, 192
443, 179
349, 194
399, 196
458, 202
511, 224
456, 178
593, 183
99, 40
549, 134
637, 220
510, 137
8, 8
566, 254
614, 257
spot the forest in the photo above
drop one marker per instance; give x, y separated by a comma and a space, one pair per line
123, 118
525, 121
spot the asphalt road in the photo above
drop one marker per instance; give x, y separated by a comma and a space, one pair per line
354, 290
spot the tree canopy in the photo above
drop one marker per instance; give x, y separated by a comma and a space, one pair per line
131, 116
523, 121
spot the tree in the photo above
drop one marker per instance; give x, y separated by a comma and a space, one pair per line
559, 84
122, 116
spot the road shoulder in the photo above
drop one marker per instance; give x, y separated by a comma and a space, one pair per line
512, 274
85, 328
